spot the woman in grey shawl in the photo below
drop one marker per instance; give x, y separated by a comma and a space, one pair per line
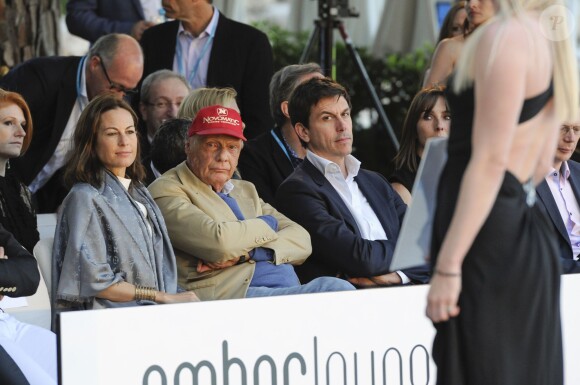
111, 247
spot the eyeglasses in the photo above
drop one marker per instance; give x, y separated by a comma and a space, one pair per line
164, 104
565, 129
116, 86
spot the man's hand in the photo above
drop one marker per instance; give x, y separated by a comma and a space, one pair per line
203, 267
140, 27
388, 279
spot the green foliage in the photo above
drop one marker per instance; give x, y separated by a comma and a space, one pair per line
287, 46
396, 78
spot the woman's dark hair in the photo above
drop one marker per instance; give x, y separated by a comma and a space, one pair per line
7, 98
422, 104
83, 165
447, 25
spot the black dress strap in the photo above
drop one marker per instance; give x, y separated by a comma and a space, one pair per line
534, 105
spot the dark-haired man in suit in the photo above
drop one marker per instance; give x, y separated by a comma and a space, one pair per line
353, 215
559, 196
211, 50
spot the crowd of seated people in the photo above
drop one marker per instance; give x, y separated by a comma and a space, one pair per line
158, 214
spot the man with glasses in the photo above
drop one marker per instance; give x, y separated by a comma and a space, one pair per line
559, 196
57, 89
161, 95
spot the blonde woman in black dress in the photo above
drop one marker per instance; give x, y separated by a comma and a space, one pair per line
494, 294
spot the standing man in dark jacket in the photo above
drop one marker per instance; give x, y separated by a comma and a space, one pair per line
211, 50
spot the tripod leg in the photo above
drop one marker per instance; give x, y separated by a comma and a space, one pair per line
311, 40
371, 90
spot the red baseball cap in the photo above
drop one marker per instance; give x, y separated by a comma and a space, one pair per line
217, 120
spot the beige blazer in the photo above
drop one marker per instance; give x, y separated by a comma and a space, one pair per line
202, 226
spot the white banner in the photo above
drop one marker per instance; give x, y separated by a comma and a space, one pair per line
366, 337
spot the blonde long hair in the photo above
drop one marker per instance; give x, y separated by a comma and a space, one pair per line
565, 70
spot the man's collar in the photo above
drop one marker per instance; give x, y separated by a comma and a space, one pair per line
83, 80
326, 166
228, 187
564, 170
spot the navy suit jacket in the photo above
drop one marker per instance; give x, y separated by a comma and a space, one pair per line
547, 203
91, 19
265, 164
48, 84
241, 58
338, 249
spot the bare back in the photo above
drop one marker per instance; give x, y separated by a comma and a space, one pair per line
511, 68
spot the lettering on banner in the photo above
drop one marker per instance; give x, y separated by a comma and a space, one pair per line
335, 369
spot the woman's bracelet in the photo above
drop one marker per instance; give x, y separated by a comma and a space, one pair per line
145, 293
447, 274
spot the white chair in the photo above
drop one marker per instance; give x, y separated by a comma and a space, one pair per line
37, 310
43, 254
46, 224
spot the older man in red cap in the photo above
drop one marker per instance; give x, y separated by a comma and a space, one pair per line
228, 242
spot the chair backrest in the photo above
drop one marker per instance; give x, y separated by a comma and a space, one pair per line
46, 224
37, 311
43, 254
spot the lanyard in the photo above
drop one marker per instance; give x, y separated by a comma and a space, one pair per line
180, 61
281, 145
79, 77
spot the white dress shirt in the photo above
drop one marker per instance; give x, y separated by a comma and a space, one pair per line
367, 221
192, 48
58, 158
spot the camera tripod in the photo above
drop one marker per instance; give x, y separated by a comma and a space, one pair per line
324, 32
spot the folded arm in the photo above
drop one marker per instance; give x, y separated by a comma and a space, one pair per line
18, 268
